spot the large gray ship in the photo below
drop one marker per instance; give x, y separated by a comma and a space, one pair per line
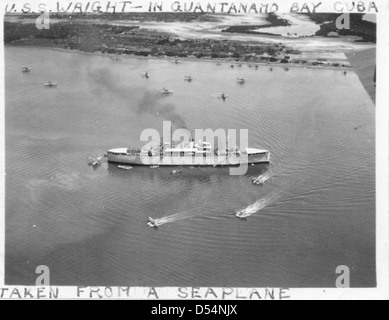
188, 154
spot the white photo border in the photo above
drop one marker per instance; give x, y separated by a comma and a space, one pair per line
382, 195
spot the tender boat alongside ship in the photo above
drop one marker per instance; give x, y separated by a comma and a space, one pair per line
125, 167
189, 154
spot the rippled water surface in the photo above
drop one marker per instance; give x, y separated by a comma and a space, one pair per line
315, 211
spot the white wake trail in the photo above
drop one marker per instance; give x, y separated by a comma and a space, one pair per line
258, 205
262, 178
172, 218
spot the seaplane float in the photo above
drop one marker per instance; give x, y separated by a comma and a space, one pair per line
166, 91
26, 69
50, 84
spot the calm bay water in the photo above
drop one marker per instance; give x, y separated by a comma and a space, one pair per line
315, 212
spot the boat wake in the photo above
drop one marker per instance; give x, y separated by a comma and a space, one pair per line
171, 218
257, 206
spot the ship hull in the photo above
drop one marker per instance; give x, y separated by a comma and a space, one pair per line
211, 161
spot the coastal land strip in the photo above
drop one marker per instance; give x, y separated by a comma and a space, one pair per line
224, 38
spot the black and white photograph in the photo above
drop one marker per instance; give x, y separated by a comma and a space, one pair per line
182, 144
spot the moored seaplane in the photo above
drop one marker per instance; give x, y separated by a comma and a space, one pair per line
222, 96
241, 80
50, 84
166, 91
95, 162
146, 75
152, 223
26, 69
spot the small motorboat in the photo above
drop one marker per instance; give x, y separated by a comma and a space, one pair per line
258, 180
154, 167
152, 223
26, 69
50, 84
188, 78
241, 214
125, 167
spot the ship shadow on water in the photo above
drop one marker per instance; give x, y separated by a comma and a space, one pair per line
189, 173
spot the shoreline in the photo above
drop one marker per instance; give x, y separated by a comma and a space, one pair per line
224, 61
160, 43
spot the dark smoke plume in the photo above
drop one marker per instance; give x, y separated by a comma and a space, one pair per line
151, 102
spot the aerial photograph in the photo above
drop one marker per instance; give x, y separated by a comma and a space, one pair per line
90, 193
